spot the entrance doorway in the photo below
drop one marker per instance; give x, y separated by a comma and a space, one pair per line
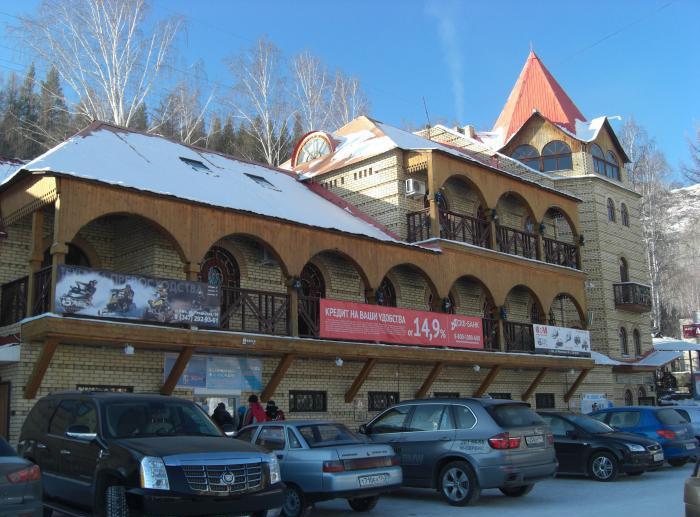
5, 410
208, 402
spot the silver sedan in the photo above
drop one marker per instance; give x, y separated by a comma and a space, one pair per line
20, 484
323, 460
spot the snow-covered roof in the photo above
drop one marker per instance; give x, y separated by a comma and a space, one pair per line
8, 166
656, 358
125, 158
675, 345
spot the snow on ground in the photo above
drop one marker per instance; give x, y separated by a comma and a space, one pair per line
654, 494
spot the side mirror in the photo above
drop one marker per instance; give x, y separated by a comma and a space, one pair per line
80, 432
573, 435
229, 430
364, 429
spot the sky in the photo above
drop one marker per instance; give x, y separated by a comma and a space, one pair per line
633, 58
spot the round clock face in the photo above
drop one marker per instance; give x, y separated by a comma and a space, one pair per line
312, 149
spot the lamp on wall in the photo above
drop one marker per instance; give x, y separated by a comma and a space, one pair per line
379, 297
3, 232
128, 349
477, 368
503, 312
339, 361
543, 228
581, 240
446, 304
494, 214
296, 283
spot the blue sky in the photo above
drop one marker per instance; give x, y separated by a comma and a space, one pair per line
630, 58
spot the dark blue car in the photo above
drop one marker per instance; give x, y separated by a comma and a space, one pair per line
665, 425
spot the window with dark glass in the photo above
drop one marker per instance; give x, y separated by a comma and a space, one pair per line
380, 400
431, 417
386, 293
624, 347
63, 417
446, 394
624, 271
500, 396
528, 155
612, 168
535, 314
465, 417
307, 401
393, 421
74, 257
556, 156
544, 400
637, 338
624, 215
611, 210
598, 159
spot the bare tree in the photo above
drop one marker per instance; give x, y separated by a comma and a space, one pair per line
313, 91
261, 99
349, 100
104, 50
692, 171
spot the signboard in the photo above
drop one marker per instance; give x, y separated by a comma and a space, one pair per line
562, 341
691, 331
218, 372
91, 292
594, 401
363, 322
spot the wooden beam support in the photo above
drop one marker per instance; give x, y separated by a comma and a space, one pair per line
40, 367
533, 385
360, 380
429, 380
581, 377
277, 377
178, 368
488, 380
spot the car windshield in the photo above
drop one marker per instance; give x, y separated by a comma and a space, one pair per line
142, 418
670, 417
6, 449
323, 435
590, 425
514, 415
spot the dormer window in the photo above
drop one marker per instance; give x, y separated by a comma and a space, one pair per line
607, 166
556, 156
527, 155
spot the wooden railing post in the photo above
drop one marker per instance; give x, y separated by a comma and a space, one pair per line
36, 256
293, 318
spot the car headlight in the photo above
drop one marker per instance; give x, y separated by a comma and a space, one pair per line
635, 448
273, 467
153, 473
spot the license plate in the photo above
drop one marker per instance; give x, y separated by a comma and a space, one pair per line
534, 440
690, 446
659, 456
374, 480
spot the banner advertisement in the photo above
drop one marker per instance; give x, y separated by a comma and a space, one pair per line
105, 294
217, 372
562, 341
691, 331
363, 322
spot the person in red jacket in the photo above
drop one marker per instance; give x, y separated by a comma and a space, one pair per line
255, 413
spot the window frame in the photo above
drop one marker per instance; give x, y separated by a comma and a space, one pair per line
372, 399
293, 394
624, 342
624, 270
534, 159
637, 342
545, 397
612, 216
557, 156
624, 215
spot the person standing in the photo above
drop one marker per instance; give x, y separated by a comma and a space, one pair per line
221, 416
273, 412
255, 413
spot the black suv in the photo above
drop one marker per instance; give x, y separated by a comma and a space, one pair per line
119, 454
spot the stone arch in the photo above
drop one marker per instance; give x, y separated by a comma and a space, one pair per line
513, 209
470, 303
565, 310
228, 241
558, 231
408, 293
519, 307
322, 258
454, 185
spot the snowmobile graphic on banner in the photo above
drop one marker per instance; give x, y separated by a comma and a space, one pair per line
105, 294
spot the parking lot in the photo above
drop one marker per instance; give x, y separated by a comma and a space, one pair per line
653, 494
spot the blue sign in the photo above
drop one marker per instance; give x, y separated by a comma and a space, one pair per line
218, 372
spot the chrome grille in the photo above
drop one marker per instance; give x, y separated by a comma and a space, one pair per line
214, 479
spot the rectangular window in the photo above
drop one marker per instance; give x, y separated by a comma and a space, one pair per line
446, 394
544, 400
501, 396
380, 400
307, 401
262, 182
195, 164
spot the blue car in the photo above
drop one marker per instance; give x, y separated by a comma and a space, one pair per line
662, 424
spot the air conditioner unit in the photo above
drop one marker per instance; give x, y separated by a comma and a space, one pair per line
415, 188
267, 258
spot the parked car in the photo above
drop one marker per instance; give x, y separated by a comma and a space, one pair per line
587, 446
115, 453
663, 424
691, 492
692, 415
322, 460
460, 446
20, 484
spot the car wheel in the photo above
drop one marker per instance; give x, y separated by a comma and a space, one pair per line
602, 467
636, 473
115, 502
677, 462
458, 484
363, 504
517, 491
294, 502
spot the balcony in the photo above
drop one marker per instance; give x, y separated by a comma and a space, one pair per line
516, 242
454, 226
13, 301
632, 297
560, 253
519, 337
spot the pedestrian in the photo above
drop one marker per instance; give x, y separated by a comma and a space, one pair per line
240, 413
221, 416
273, 412
255, 413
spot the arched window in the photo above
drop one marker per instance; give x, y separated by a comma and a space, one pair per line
624, 271
528, 155
220, 269
641, 394
624, 347
535, 314
598, 159
74, 257
386, 294
629, 398
624, 215
612, 167
313, 288
637, 338
441, 306
611, 210
556, 156
312, 283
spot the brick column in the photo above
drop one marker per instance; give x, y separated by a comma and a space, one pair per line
36, 256
191, 271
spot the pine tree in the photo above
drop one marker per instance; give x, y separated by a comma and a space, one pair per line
10, 122
140, 119
54, 119
228, 137
214, 141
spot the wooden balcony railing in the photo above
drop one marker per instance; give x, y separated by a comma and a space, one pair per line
465, 228
519, 337
13, 301
42, 291
561, 253
418, 224
490, 331
263, 312
633, 297
516, 242
309, 315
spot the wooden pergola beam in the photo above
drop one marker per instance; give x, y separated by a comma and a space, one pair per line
488, 380
40, 367
581, 377
429, 380
533, 385
178, 369
277, 377
360, 380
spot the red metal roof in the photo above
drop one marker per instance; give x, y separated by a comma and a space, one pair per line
536, 89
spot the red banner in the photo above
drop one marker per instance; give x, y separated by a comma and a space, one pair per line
362, 322
691, 331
